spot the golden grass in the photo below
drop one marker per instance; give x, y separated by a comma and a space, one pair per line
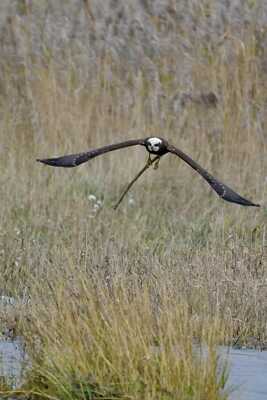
121, 301
125, 339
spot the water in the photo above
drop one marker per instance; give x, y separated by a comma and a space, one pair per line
247, 380
248, 374
12, 362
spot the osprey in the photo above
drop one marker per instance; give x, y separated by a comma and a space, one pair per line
158, 147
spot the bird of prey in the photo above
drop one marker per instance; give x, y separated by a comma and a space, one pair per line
158, 147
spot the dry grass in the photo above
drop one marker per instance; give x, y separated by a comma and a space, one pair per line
121, 338
119, 300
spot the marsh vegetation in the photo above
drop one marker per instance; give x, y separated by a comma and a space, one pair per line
109, 304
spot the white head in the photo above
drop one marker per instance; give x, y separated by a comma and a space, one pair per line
154, 144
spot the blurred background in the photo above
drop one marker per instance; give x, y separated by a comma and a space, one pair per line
78, 74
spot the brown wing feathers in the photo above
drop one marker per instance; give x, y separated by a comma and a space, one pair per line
73, 160
220, 188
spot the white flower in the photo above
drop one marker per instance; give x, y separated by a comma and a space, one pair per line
7, 300
92, 197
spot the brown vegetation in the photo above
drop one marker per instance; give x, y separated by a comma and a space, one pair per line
119, 301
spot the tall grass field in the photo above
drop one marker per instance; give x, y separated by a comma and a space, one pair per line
133, 303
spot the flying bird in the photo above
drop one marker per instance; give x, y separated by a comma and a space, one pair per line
158, 147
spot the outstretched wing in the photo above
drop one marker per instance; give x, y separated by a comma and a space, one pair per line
73, 160
220, 188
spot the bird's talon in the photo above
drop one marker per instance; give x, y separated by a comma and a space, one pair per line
149, 161
156, 165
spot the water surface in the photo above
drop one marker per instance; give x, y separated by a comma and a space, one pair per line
248, 374
247, 378
12, 361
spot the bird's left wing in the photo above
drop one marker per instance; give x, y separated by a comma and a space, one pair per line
220, 188
73, 160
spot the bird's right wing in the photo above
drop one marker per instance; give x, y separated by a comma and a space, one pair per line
224, 191
73, 160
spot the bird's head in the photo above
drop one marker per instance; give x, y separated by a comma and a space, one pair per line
155, 145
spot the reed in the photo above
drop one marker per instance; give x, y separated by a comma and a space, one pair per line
118, 304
